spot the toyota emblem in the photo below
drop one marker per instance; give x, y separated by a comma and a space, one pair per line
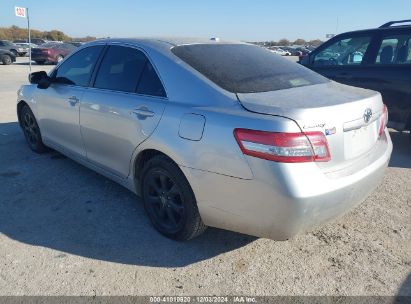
367, 115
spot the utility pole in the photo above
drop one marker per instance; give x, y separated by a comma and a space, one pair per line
28, 27
24, 13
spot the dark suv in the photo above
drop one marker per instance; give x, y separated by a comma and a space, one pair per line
11, 47
377, 59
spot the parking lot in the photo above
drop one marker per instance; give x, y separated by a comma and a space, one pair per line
65, 230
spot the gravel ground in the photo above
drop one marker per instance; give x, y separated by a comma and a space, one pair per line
65, 230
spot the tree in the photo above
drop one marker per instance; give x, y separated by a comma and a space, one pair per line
56, 35
315, 42
14, 32
84, 39
300, 41
284, 42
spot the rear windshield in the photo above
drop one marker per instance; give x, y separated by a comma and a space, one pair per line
243, 68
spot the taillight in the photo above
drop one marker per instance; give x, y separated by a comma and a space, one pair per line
383, 120
283, 147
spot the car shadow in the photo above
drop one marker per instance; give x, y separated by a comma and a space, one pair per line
401, 156
51, 201
404, 292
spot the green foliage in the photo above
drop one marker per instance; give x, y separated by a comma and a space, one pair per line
14, 32
300, 41
284, 42
315, 42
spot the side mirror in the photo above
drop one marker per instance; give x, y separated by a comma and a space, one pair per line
41, 78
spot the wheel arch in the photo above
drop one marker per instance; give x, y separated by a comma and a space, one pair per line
140, 160
20, 106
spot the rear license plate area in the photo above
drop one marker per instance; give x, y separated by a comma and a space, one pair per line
361, 140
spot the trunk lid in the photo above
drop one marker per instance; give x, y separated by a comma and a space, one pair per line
348, 116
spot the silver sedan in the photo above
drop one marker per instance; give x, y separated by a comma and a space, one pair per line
211, 133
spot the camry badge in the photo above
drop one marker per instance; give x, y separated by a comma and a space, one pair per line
367, 115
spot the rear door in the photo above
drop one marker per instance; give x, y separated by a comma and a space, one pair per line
389, 72
59, 105
343, 58
122, 109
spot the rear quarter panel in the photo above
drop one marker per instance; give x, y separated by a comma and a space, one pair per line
217, 151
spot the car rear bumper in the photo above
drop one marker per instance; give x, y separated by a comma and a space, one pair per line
282, 199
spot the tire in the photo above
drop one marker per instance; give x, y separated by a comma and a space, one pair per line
31, 130
6, 60
40, 62
169, 200
59, 58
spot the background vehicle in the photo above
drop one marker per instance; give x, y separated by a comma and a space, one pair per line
24, 48
212, 133
7, 57
25, 44
52, 52
75, 43
9, 46
38, 41
300, 51
280, 51
377, 59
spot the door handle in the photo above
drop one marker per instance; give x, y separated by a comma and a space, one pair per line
73, 100
143, 112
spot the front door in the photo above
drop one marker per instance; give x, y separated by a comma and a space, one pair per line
58, 106
342, 60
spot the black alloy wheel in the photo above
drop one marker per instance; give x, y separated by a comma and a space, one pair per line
31, 130
169, 200
165, 200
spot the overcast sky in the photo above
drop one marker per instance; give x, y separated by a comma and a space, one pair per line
252, 20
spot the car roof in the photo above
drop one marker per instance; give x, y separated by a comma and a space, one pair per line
162, 42
379, 29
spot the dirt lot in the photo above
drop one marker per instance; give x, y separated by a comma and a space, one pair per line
65, 230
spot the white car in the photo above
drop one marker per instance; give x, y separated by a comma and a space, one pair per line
281, 52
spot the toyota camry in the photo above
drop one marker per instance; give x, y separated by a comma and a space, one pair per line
211, 133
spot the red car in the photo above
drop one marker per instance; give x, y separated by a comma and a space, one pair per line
51, 52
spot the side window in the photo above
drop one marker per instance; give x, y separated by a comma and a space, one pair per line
347, 51
77, 69
121, 69
395, 50
150, 84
